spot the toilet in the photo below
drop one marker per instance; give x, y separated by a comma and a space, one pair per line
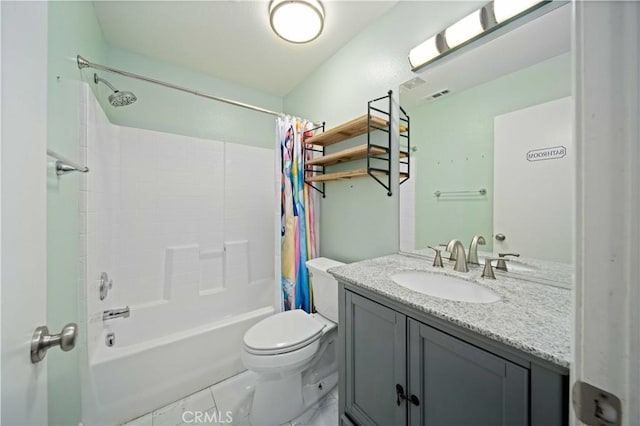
294, 353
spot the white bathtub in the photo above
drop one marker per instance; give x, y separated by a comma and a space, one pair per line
131, 378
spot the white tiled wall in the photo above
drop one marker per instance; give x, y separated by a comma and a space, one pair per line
172, 218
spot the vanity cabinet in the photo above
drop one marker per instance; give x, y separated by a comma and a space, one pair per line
375, 362
457, 383
399, 368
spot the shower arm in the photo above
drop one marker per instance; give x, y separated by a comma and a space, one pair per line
97, 79
83, 63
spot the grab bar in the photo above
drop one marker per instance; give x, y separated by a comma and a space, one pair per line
481, 191
64, 165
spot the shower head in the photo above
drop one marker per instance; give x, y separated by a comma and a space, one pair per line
117, 98
122, 98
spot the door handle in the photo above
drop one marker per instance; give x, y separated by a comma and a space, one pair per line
42, 341
500, 237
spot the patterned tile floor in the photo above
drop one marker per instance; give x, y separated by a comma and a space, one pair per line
209, 407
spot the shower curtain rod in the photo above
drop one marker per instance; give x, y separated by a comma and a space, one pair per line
84, 63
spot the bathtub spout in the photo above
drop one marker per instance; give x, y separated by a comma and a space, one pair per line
115, 313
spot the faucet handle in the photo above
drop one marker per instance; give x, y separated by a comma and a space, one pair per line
502, 265
487, 272
437, 260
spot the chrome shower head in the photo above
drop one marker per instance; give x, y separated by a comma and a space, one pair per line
117, 98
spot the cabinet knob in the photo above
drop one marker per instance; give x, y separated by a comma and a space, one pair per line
414, 400
401, 396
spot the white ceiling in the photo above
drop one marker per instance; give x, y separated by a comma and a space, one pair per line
542, 38
231, 40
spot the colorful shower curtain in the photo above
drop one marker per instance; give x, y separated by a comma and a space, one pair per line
297, 214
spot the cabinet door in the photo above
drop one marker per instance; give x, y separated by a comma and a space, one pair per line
375, 362
459, 384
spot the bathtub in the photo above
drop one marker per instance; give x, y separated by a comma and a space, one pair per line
152, 364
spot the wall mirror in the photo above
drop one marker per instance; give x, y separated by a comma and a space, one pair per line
492, 150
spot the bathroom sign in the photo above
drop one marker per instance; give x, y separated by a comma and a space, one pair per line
553, 153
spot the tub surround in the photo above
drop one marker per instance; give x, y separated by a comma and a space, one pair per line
188, 238
530, 317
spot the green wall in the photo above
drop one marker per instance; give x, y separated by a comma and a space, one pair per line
166, 110
454, 137
73, 28
357, 219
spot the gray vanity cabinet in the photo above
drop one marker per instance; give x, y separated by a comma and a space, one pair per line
456, 383
375, 361
396, 370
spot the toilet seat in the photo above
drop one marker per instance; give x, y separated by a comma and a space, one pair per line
282, 333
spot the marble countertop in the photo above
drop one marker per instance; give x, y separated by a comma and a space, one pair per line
532, 317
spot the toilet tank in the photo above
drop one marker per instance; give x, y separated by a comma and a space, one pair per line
325, 287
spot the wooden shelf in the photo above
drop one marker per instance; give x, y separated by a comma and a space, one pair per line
345, 175
348, 130
349, 154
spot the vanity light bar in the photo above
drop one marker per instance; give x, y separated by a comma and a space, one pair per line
484, 20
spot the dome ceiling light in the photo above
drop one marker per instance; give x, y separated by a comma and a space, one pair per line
296, 21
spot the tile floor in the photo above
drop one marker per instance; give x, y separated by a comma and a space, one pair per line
234, 395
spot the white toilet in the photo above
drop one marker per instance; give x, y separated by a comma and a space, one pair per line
294, 353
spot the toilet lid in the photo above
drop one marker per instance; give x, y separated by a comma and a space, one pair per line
283, 332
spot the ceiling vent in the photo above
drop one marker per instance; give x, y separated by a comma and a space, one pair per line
413, 83
437, 95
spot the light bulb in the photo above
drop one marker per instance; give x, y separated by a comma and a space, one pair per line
423, 53
505, 9
463, 30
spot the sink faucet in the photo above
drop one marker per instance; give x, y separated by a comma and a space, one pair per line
472, 255
456, 247
110, 314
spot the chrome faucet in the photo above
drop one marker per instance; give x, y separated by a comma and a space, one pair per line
110, 314
461, 261
472, 255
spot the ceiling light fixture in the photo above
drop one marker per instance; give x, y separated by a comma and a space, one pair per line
296, 21
475, 25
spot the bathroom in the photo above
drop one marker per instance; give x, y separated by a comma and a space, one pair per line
180, 206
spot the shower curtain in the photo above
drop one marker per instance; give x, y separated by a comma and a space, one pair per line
298, 240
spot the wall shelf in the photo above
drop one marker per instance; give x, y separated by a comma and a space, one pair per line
350, 154
351, 129
328, 177
376, 154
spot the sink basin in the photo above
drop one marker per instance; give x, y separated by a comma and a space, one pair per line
445, 287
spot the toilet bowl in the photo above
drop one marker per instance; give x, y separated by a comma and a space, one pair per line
294, 353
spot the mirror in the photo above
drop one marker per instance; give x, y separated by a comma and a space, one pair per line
492, 151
